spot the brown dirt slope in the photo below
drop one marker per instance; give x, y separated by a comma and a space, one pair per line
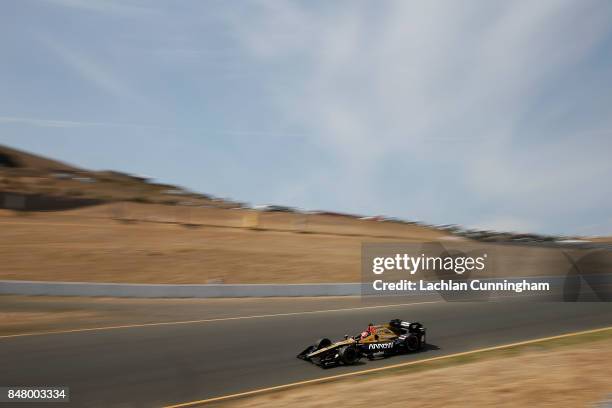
21, 159
25, 173
151, 247
155, 233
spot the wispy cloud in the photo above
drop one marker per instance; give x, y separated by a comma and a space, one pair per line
40, 122
59, 123
490, 78
91, 70
475, 112
103, 6
53, 123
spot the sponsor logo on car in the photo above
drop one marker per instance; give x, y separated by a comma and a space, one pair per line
380, 346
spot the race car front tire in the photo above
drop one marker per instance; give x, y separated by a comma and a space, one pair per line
348, 355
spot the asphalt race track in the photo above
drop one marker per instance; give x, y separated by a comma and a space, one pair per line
168, 364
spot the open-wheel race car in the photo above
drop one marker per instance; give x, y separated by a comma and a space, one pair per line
382, 340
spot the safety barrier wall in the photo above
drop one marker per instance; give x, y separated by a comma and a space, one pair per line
559, 289
177, 291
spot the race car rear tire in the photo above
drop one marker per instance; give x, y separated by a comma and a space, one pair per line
412, 342
348, 355
322, 343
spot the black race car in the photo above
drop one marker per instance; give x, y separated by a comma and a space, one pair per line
382, 340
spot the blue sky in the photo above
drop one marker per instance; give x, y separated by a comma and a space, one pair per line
491, 114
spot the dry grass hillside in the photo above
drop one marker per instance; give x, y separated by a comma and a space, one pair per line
25, 173
152, 233
150, 244
13, 158
143, 232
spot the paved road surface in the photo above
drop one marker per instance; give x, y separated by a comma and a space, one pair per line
160, 365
